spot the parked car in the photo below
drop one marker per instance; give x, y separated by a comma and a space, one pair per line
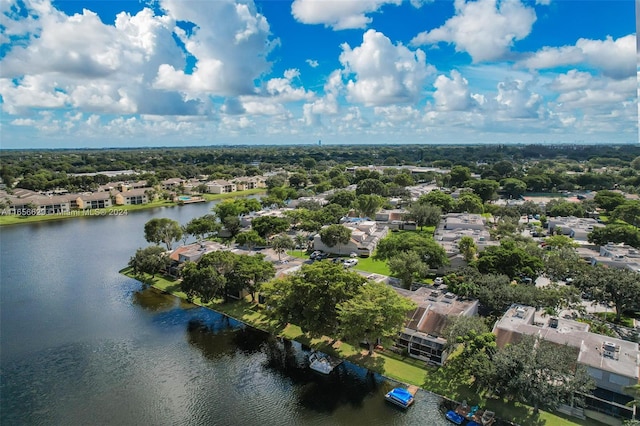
353, 254
315, 254
438, 281
350, 262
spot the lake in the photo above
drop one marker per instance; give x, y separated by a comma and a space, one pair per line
82, 344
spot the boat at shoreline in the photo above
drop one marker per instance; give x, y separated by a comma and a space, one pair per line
474, 415
322, 363
454, 417
401, 397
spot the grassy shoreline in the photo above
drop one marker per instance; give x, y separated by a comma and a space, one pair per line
6, 220
394, 366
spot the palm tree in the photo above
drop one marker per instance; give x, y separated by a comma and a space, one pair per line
634, 391
300, 241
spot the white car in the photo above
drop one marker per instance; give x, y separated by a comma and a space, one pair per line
350, 262
438, 281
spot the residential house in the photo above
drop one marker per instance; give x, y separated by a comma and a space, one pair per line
614, 364
249, 182
365, 236
452, 228
577, 228
133, 197
220, 187
618, 256
172, 183
95, 200
422, 337
25, 202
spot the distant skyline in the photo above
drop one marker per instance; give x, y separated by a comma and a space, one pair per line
89, 74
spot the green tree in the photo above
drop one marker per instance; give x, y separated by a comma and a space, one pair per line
629, 211
162, 230
301, 241
615, 234
424, 214
407, 265
540, 373
470, 203
430, 252
203, 282
510, 260
403, 180
560, 241
309, 297
376, 311
459, 175
333, 235
608, 200
232, 225
371, 186
203, 227
250, 272
438, 198
562, 263
512, 187
484, 188
266, 226
150, 260
250, 239
368, 204
281, 243
298, 180
620, 287
468, 248
343, 197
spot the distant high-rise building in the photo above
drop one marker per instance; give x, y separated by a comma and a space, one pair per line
319, 143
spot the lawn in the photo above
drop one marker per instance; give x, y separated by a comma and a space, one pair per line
611, 317
369, 264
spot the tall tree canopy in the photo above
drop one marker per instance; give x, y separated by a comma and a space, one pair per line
424, 214
424, 245
511, 260
438, 198
221, 273
309, 297
376, 311
621, 287
333, 235
539, 373
150, 260
162, 230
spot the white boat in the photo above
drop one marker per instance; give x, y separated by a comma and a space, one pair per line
323, 364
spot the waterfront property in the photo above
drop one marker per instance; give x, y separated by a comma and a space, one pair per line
614, 364
133, 197
422, 336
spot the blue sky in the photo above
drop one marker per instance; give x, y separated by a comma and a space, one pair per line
182, 73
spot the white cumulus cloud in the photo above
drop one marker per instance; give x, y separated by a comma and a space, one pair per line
384, 73
452, 94
486, 29
337, 14
614, 58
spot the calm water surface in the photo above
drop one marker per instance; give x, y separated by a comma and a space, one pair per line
81, 344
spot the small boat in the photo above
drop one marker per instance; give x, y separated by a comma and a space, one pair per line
454, 417
400, 397
488, 418
323, 364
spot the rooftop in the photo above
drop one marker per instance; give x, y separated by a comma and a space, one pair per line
522, 320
